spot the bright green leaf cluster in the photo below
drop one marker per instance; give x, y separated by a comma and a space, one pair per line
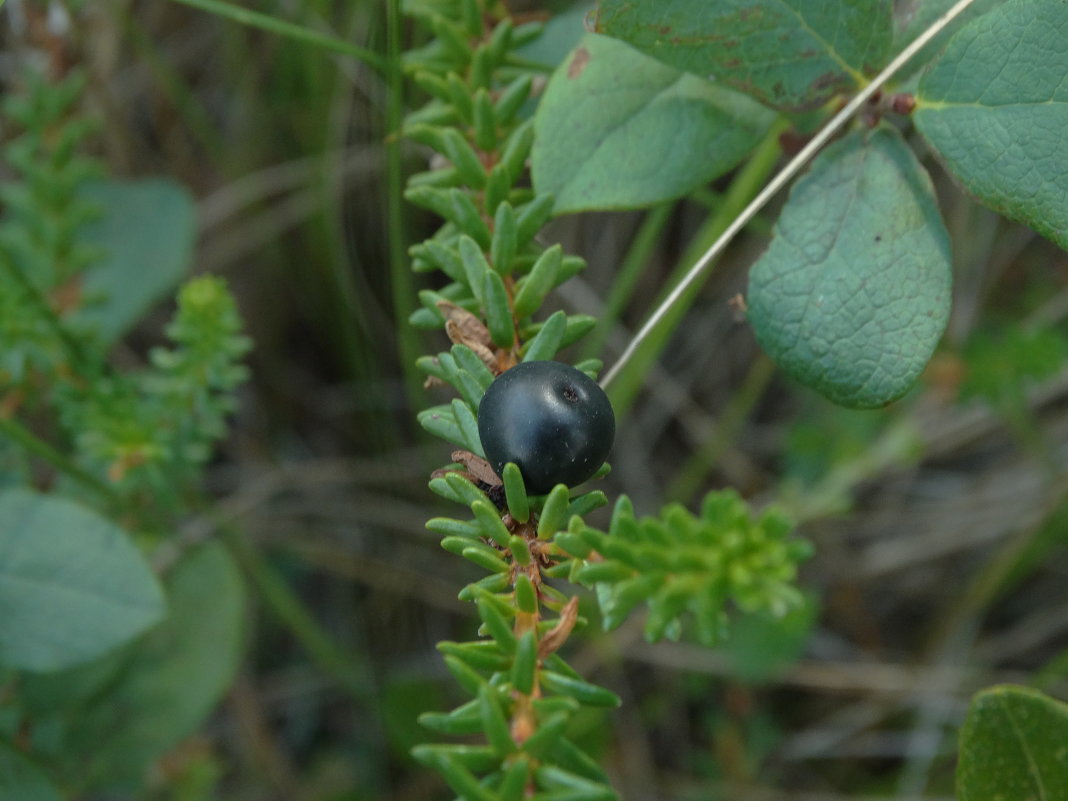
197, 377
502, 675
506, 275
70, 284
524, 694
155, 427
548, 513
45, 214
681, 563
44, 205
474, 121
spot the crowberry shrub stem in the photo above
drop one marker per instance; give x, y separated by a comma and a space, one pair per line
490, 278
495, 279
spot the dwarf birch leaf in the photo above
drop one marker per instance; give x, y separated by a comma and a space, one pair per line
173, 679
913, 17
790, 54
1014, 745
619, 130
72, 584
995, 108
853, 293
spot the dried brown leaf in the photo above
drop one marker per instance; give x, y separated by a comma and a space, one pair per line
462, 326
477, 467
558, 634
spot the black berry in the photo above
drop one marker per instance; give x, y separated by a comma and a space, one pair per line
552, 420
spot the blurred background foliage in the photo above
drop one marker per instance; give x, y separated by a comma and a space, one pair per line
940, 524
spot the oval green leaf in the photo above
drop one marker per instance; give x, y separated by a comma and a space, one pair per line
618, 130
72, 585
146, 234
173, 678
912, 18
1014, 745
853, 293
790, 54
995, 108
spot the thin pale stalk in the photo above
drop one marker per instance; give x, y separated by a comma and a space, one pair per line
685, 288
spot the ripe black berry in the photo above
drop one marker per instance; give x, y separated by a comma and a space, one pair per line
552, 420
